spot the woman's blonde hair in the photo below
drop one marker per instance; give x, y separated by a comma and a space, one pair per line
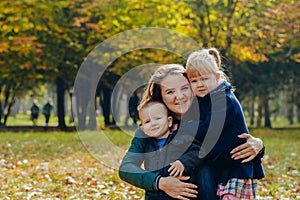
153, 90
207, 61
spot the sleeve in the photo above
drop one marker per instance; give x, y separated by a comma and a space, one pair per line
130, 169
234, 122
195, 154
231, 114
190, 158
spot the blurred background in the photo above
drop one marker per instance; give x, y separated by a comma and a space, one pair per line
43, 43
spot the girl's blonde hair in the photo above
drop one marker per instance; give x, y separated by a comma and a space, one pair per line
205, 61
153, 90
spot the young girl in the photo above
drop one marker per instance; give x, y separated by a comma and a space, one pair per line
237, 180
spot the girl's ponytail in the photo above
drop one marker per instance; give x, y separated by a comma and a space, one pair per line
215, 53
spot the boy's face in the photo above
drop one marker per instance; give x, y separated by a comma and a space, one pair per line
204, 84
155, 121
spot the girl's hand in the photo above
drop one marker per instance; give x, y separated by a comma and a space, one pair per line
248, 150
176, 168
175, 188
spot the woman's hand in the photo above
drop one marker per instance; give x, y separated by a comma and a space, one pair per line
175, 188
247, 150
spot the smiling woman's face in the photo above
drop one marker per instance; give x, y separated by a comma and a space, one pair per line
176, 94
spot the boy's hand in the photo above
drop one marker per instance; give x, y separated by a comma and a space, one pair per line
176, 169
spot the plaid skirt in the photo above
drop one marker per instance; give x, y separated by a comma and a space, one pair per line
240, 188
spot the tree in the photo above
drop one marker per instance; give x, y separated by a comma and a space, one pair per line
45, 42
106, 21
21, 65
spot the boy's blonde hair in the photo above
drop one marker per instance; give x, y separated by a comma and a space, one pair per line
146, 104
205, 61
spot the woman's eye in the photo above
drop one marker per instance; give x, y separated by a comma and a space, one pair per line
186, 88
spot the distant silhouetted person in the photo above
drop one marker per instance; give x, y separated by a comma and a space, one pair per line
133, 103
47, 111
34, 109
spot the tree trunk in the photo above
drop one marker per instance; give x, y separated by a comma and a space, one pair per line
60, 89
105, 104
81, 95
92, 119
71, 120
1, 110
259, 111
267, 112
252, 111
276, 109
298, 112
290, 114
81, 114
9, 100
9, 109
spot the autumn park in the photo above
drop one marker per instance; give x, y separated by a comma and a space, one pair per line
88, 58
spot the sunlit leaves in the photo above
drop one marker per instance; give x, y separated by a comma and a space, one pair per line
276, 32
50, 39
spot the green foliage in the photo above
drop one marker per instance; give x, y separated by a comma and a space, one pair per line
41, 41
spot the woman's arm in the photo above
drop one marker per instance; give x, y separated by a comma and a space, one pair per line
130, 169
249, 150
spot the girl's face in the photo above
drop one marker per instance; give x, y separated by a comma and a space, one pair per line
204, 84
155, 121
176, 94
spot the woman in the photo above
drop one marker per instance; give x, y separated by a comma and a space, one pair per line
169, 84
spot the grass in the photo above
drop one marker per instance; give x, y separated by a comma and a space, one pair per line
281, 163
59, 165
23, 120
280, 122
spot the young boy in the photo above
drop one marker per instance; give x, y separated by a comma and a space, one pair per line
162, 147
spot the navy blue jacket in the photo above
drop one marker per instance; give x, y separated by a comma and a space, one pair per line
221, 121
